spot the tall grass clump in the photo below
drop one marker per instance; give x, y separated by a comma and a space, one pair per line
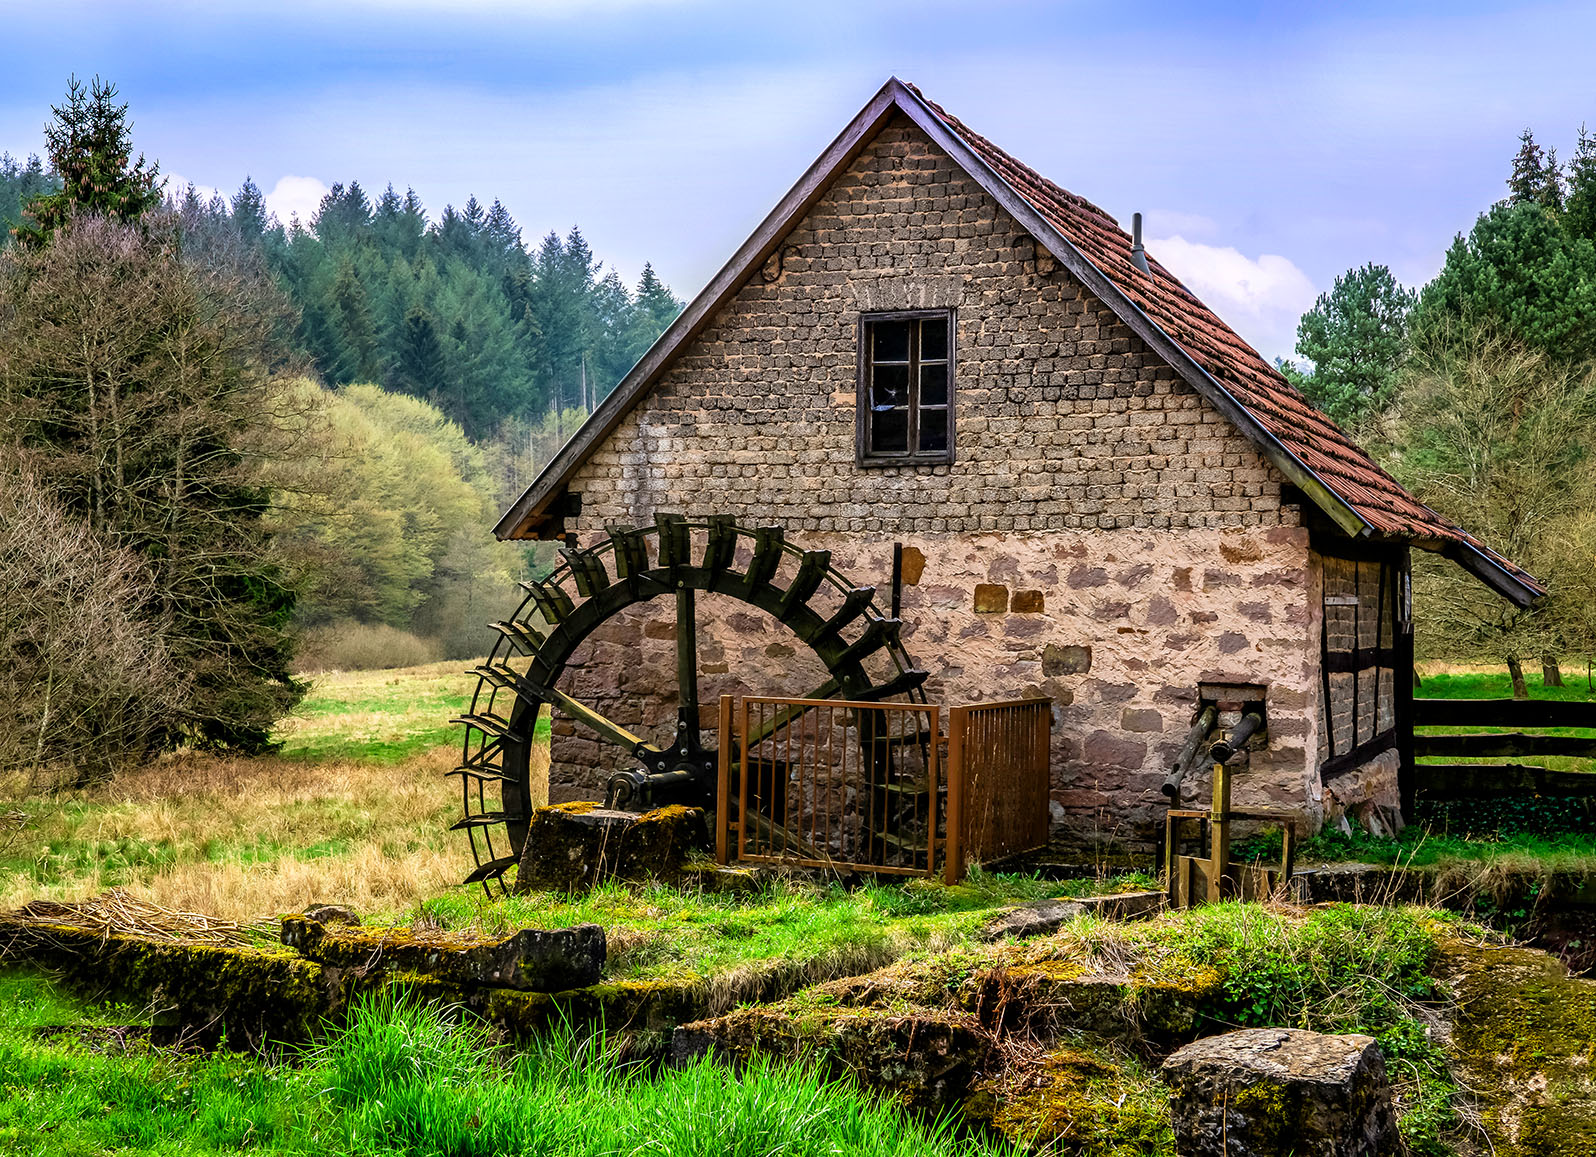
409, 1078
352, 646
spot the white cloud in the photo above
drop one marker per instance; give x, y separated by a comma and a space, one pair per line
296, 195
1260, 298
1173, 223
177, 185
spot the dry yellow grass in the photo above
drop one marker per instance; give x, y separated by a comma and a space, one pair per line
247, 838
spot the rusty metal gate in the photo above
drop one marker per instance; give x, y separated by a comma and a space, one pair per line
880, 787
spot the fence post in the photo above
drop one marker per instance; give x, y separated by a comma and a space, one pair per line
1220, 829
953, 855
723, 783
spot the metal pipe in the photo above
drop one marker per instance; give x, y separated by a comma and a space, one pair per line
1225, 749
1138, 253
1190, 750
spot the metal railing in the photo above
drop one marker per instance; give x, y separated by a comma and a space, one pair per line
877, 787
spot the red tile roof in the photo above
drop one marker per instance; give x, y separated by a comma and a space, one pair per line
1310, 436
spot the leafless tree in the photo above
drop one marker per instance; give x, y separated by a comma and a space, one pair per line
86, 685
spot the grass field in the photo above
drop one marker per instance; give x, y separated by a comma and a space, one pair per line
404, 1079
1490, 683
354, 809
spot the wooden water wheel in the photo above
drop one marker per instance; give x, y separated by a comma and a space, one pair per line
837, 619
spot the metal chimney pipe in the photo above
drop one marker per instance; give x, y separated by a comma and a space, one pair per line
1138, 254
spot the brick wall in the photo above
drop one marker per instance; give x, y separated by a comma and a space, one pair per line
1065, 420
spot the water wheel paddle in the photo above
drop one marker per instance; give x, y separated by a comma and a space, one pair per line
833, 617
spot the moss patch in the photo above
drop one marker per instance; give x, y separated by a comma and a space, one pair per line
1525, 1040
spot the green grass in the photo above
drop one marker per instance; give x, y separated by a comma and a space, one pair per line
1498, 685
1415, 847
1336, 969
405, 1079
659, 932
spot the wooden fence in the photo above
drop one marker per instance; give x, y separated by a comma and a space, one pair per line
880, 787
1436, 782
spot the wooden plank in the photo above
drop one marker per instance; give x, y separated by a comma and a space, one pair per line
1502, 713
1440, 781
1507, 744
723, 782
953, 862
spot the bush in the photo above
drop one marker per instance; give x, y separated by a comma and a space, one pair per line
351, 646
86, 682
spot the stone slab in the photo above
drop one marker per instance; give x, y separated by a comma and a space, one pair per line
1278, 1092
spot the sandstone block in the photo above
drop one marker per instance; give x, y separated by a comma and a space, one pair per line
532, 960
574, 846
1275, 1092
991, 598
1066, 660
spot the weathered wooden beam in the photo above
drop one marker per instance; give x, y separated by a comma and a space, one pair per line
1500, 744
1502, 713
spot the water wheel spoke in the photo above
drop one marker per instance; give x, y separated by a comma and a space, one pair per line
721, 550
631, 552
811, 573
880, 633
768, 542
675, 544
552, 601
687, 667
854, 604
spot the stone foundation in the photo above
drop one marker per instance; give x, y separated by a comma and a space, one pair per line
1117, 628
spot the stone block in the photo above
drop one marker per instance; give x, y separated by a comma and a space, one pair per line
1275, 1092
1066, 660
991, 599
570, 847
1026, 603
1037, 919
1141, 719
532, 960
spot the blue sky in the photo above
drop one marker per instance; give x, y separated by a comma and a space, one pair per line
1271, 146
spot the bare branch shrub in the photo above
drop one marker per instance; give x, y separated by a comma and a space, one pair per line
86, 686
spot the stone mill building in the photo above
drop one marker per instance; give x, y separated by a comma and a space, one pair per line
1100, 494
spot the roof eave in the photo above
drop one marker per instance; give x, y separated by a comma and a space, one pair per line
1493, 574
521, 520
1342, 513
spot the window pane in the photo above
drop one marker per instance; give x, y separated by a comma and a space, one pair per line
933, 430
891, 387
889, 431
934, 385
892, 341
934, 339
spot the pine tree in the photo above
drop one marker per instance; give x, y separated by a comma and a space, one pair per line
421, 368
1519, 271
1526, 185
356, 330
1579, 213
90, 142
250, 215
1356, 337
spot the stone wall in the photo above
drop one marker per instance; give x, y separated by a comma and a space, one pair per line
1104, 537
1117, 628
1066, 421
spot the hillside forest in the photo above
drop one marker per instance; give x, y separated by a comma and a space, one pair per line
236, 449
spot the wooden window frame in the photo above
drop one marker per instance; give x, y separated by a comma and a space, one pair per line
864, 456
